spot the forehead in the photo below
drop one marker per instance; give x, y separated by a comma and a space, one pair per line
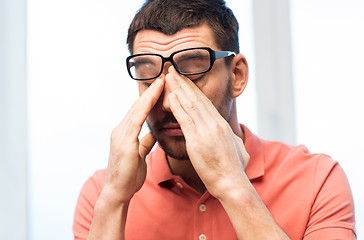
151, 41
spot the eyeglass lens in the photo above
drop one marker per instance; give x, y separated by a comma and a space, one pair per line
189, 62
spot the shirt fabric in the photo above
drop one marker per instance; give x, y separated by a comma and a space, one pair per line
307, 194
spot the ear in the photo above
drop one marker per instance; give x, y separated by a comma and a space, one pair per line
240, 74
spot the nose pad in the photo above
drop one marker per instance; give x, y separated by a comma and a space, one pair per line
165, 67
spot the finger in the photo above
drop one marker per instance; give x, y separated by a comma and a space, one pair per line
191, 98
197, 102
147, 100
134, 119
185, 121
184, 81
179, 82
145, 145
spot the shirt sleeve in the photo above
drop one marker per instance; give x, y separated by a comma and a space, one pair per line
89, 194
332, 214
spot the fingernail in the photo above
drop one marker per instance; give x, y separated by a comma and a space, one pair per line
171, 69
159, 80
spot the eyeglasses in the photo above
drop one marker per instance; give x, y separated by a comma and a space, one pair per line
190, 61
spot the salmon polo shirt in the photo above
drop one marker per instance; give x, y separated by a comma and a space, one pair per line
307, 194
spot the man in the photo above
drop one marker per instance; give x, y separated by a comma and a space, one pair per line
209, 177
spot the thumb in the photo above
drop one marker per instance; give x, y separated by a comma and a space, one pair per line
145, 145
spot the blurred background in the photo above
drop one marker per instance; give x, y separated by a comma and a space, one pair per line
64, 87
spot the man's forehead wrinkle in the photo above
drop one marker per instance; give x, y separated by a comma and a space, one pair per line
166, 45
150, 40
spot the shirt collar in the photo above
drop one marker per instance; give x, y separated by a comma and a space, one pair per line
161, 172
158, 165
255, 148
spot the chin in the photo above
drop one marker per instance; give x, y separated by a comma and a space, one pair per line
174, 147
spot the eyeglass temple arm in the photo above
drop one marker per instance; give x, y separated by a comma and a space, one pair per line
222, 54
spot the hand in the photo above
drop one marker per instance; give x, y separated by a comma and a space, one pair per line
217, 154
126, 169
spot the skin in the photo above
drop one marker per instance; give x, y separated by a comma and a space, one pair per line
209, 143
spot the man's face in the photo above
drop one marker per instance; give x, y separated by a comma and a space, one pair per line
215, 84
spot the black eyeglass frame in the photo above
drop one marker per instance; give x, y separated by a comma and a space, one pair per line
214, 55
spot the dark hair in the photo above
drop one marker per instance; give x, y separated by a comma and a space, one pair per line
170, 16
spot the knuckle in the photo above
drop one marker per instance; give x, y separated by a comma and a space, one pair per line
121, 135
146, 99
189, 122
206, 101
177, 89
195, 99
114, 135
191, 107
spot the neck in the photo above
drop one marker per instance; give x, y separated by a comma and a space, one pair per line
234, 124
185, 169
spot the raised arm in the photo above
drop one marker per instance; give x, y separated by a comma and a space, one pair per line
126, 169
220, 159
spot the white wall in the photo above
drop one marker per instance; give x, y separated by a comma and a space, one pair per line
13, 120
78, 92
328, 39
274, 83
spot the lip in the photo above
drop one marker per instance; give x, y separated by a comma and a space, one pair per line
172, 129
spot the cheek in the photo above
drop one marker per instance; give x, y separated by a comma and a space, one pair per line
141, 88
152, 114
215, 81
213, 89
219, 94
156, 112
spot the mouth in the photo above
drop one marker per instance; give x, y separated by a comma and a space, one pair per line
172, 129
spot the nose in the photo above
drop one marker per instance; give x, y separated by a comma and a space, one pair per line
164, 99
